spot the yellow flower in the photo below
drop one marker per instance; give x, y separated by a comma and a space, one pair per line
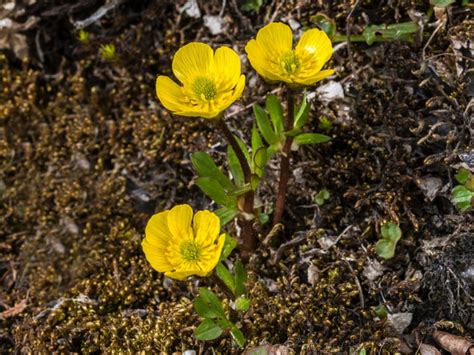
211, 82
272, 55
180, 246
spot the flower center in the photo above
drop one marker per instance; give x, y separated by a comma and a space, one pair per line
189, 250
289, 62
204, 88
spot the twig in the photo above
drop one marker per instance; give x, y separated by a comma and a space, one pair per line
96, 16
288, 245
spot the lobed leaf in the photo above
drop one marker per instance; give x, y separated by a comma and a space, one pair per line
264, 125
224, 274
211, 187
274, 108
226, 214
208, 305
234, 166
240, 278
311, 138
229, 245
208, 330
205, 167
302, 114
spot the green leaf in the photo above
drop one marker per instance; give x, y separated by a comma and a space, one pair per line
264, 125
235, 168
260, 160
238, 336
391, 231
311, 138
224, 274
208, 305
322, 196
208, 330
302, 114
226, 214
390, 234
385, 248
229, 245
325, 123
240, 278
252, 5
469, 184
242, 190
462, 198
243, 147
254, 182
442, 3
274, 108
462, 176
242, 304
396, 31
215, 191
263, 218
381, 311
327, 24
205, 167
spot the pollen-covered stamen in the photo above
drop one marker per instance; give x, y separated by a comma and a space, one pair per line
290, 62
189, 250
204, 88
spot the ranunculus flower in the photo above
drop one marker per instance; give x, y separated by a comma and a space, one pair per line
211, 82
180, 246
272, 55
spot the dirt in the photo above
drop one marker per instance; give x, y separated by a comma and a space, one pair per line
88, 155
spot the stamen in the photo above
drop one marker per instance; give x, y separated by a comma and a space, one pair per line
189, 250
290, 62
204, 88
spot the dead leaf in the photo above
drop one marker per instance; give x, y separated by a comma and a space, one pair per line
426, 349
268, 350
373, 270
15, 310
400, 321
456, 345
430, 186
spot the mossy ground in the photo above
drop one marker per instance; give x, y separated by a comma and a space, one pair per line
87, 155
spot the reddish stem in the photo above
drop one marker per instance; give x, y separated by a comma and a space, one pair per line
248, 236
285, 160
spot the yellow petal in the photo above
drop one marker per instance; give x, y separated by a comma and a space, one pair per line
206, 226
275, 39
157, 232
179, 222
191, 59
178, 275
169, 93
156, 257
239, 89
317, 77
211, 256
315, 43
259, 61
227, 67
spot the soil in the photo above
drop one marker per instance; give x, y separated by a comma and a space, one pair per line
88, 155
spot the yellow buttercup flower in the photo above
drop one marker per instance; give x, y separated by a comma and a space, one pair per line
272, 55
211, 82
180, 246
